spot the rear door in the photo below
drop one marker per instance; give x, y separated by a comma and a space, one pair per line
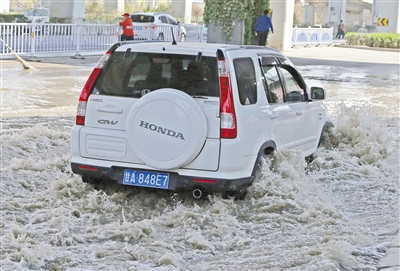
282, 117
133, 115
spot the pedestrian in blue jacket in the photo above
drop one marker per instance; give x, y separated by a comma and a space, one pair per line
262, 28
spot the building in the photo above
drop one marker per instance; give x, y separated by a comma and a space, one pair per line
374, 15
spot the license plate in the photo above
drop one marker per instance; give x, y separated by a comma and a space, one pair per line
146, 179
137, 28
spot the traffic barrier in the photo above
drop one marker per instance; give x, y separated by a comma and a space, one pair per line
312, 36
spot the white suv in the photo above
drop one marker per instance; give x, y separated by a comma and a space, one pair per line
156, 26
192, 116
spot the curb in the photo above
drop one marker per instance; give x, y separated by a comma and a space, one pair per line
368, 48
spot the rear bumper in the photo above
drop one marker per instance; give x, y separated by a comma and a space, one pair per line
176, 181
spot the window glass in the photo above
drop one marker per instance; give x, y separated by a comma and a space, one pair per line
273, 86
294, 92
246, 80
164, 19
42, 12
171, 21
129, 74
136, 18
285, 60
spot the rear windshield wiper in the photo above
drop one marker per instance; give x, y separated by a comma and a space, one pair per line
199, 97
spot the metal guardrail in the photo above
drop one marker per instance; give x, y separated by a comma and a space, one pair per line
30, 39
312, 36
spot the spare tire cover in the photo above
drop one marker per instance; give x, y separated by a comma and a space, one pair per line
166, 128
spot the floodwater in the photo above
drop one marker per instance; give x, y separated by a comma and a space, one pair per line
339, 212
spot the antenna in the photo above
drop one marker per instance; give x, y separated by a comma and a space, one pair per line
173, 37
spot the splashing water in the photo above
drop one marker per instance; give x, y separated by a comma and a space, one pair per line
336, 213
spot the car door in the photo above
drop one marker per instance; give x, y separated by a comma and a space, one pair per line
306, 112
281, 117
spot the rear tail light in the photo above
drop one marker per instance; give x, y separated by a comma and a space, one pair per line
227, 108
87, 89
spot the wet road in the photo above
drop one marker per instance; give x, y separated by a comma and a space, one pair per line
338, 214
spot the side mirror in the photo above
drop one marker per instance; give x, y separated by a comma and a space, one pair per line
318, 93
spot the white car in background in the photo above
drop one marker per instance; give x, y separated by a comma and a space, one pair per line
38, 15
156, 26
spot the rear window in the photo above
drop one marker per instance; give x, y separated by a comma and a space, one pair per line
132, 74
142, 18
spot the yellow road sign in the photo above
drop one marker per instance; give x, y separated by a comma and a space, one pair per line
383, 21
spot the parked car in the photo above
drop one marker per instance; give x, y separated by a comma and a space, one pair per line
192, 116
157, 26
36, 19
38, 15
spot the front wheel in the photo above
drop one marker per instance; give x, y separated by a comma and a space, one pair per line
326, 136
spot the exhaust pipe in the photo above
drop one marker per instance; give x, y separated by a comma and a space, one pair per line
197, 193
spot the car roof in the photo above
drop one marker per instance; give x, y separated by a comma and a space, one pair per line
207, 49
150, 13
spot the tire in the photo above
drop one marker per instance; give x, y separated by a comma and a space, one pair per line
237, 195
90, 180
266, 154
326, 134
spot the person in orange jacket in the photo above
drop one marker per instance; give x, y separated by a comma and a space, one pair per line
127, 26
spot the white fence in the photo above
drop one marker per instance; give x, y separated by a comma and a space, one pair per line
34, 39
312, 36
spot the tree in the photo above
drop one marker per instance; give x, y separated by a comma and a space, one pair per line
225, 12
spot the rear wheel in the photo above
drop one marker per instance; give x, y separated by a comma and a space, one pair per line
237, 195
90, 180
266, 157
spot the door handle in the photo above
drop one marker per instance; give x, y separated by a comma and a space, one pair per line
273, 115
109, 109
299, 112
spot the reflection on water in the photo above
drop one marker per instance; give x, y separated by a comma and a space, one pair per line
355, 86
55, 91
45, 92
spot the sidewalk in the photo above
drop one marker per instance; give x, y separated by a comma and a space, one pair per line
347, 53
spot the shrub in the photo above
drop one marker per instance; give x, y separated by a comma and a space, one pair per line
12, 18
383, 40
